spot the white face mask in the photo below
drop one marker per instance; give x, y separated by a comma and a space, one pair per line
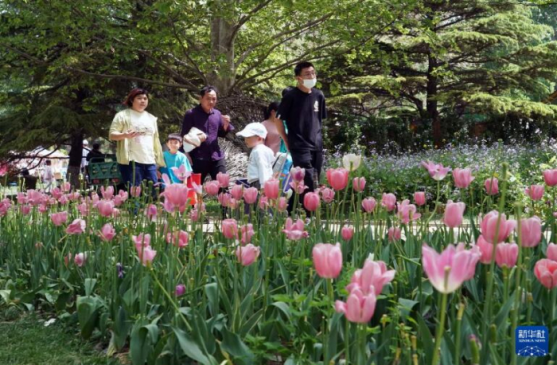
310, 83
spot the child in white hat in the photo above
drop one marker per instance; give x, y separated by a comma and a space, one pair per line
260, 165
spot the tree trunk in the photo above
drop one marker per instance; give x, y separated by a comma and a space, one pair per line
222, 44
431, 103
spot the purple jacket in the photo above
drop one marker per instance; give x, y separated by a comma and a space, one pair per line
211, 124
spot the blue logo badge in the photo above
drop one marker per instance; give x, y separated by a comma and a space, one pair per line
532, 341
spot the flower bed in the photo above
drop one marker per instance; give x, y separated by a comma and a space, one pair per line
382, 287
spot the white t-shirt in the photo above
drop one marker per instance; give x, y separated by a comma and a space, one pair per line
260, 165
141, 148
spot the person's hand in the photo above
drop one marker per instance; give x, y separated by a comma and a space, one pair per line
225, 122
130, 133
159, 175
202, 137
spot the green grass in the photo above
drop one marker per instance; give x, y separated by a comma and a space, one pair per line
24, 340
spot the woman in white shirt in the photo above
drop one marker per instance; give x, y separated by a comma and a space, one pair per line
139, 149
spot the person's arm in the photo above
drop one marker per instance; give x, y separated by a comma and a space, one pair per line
116, 132
283, 114
282, 132
263, 171
224, 126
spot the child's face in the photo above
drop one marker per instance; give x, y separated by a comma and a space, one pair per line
173, 145
253, 141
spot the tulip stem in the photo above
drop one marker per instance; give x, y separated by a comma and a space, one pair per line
514, 319
440, 328
461, 308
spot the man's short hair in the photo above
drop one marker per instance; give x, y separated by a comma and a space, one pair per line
208, 89
175, 136
300, 66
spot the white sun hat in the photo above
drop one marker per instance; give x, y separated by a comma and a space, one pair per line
253, 129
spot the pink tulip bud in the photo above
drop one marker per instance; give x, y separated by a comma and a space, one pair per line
135, 191
551, 252
462, 178
486, 250
224, 199
327, 260
59, 218
359, 184
107, 232
141, 242
327, 194
76, 227
247, 254
298, 174
394, 234
489, 226
550, 177
180, 290
194, 215
229, 228
212, 187
454, 213
250, 195
179, 238
337, 178
535, 192
530, 231
407, 212
359, 308
282, 204
105, 207
546, 272
271, 188
147, 256
151, 212
506, 254
368, 204
108, 192
419, 198
233, 203
263, 203
347, 232
312, 201
448, 270
80, 259
388, 201
66, 187
223, 179
237, 191
491, 186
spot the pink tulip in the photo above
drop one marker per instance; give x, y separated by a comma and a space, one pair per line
250, 195
64, 200
295, 231
359, 184
59, 218
271, 188
530, 231
486, 250
80, 259
233, 203
4, 207
298, 186
223, 179
180, 290
373, 274
237, 191
123, 195
212, 187
546, 272
394, 234
448, 270
506, 254
230, 228
436, 171
550, 177
43, 208
105, 207
368, 204
66, 187
247, 254
419, 198
337, 178
551, 252
83, 209
298, 174
407, 212
141, 241
359, 308
327, 260
263, 203
194, 215
25, 209
56, 194
535, 192
388, 201
147, 256
282, 204
180, 172
175, 197
151, 212
347, 232
107, 192
489, 226
462, 178
224, 199
312, 201
247, 233
107, 232
327, 194
179, 238
454, 213
491, 186
77, 227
